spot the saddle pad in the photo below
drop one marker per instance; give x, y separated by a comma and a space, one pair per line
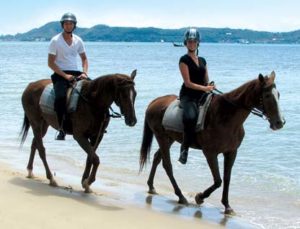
48, 97
202, 113
172, 119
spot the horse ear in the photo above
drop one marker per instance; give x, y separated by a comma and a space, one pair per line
133, 74
261, 78
272, 76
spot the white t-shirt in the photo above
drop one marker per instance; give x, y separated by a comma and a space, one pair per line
66, 55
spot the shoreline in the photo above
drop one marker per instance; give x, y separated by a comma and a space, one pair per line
32, 203
37, 205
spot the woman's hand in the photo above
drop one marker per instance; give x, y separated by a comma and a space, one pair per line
209, 88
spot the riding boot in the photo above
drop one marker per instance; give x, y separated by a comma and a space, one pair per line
183, 155
60, 118
184, 149
61, 135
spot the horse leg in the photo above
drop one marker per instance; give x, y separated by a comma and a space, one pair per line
214, 168
38, 134
229, 159
95, 158
33, 150
92, 163
89, 176
87, 170
88, 164
155, 163
31, 159
165, 154
95, 161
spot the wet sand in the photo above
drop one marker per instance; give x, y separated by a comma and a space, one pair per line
32, 203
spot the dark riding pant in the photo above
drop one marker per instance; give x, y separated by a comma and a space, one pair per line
61, 86
189, 118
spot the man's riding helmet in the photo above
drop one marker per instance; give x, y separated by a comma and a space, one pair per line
191, 34
68, 17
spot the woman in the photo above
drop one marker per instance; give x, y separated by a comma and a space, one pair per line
195, 84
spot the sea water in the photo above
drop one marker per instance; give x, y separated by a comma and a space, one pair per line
265, 183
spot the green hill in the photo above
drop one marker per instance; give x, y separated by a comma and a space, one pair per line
151, 34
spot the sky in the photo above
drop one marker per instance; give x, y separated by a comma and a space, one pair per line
19, 16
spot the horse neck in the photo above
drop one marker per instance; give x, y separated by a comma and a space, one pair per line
102, 91
240, 101
246, 96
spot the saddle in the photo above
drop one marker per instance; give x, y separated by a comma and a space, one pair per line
172, 119
48, 96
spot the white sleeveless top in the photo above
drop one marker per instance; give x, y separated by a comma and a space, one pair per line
66, 55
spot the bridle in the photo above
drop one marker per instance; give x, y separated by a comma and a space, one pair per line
258, 111
113, 113
117, 100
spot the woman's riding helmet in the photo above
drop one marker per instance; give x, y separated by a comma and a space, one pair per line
191, 34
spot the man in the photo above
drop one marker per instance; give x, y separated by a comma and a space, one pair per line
62, 59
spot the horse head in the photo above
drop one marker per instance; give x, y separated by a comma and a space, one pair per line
125, 94
270, 101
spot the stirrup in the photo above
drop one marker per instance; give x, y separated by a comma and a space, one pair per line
61, 136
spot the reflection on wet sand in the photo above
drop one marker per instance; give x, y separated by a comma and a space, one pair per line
193, 211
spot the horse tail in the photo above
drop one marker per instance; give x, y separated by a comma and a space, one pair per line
146, 145
24, 130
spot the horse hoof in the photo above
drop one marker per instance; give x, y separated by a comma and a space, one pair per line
86, 186
85, 183
152, 191
183, 201
198, 198
30, 174
88, 190
53, 183
229, 211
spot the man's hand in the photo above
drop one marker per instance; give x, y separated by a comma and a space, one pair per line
83, 76
69, 77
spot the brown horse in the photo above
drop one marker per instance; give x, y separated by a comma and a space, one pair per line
88, 122
223, 132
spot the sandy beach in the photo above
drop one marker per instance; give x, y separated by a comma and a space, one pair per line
32, 203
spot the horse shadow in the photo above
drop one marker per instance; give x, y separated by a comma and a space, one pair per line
37, 187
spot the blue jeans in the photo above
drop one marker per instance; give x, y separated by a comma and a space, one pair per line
189, 118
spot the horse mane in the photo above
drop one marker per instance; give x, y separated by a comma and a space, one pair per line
245, 94
106, 86
102, 83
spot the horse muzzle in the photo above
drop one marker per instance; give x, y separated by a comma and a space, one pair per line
278, 124
130, 122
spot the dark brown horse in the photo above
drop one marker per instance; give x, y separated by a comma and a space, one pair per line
223, 132
88, 122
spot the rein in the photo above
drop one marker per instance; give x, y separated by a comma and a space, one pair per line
254, 111
113, 113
